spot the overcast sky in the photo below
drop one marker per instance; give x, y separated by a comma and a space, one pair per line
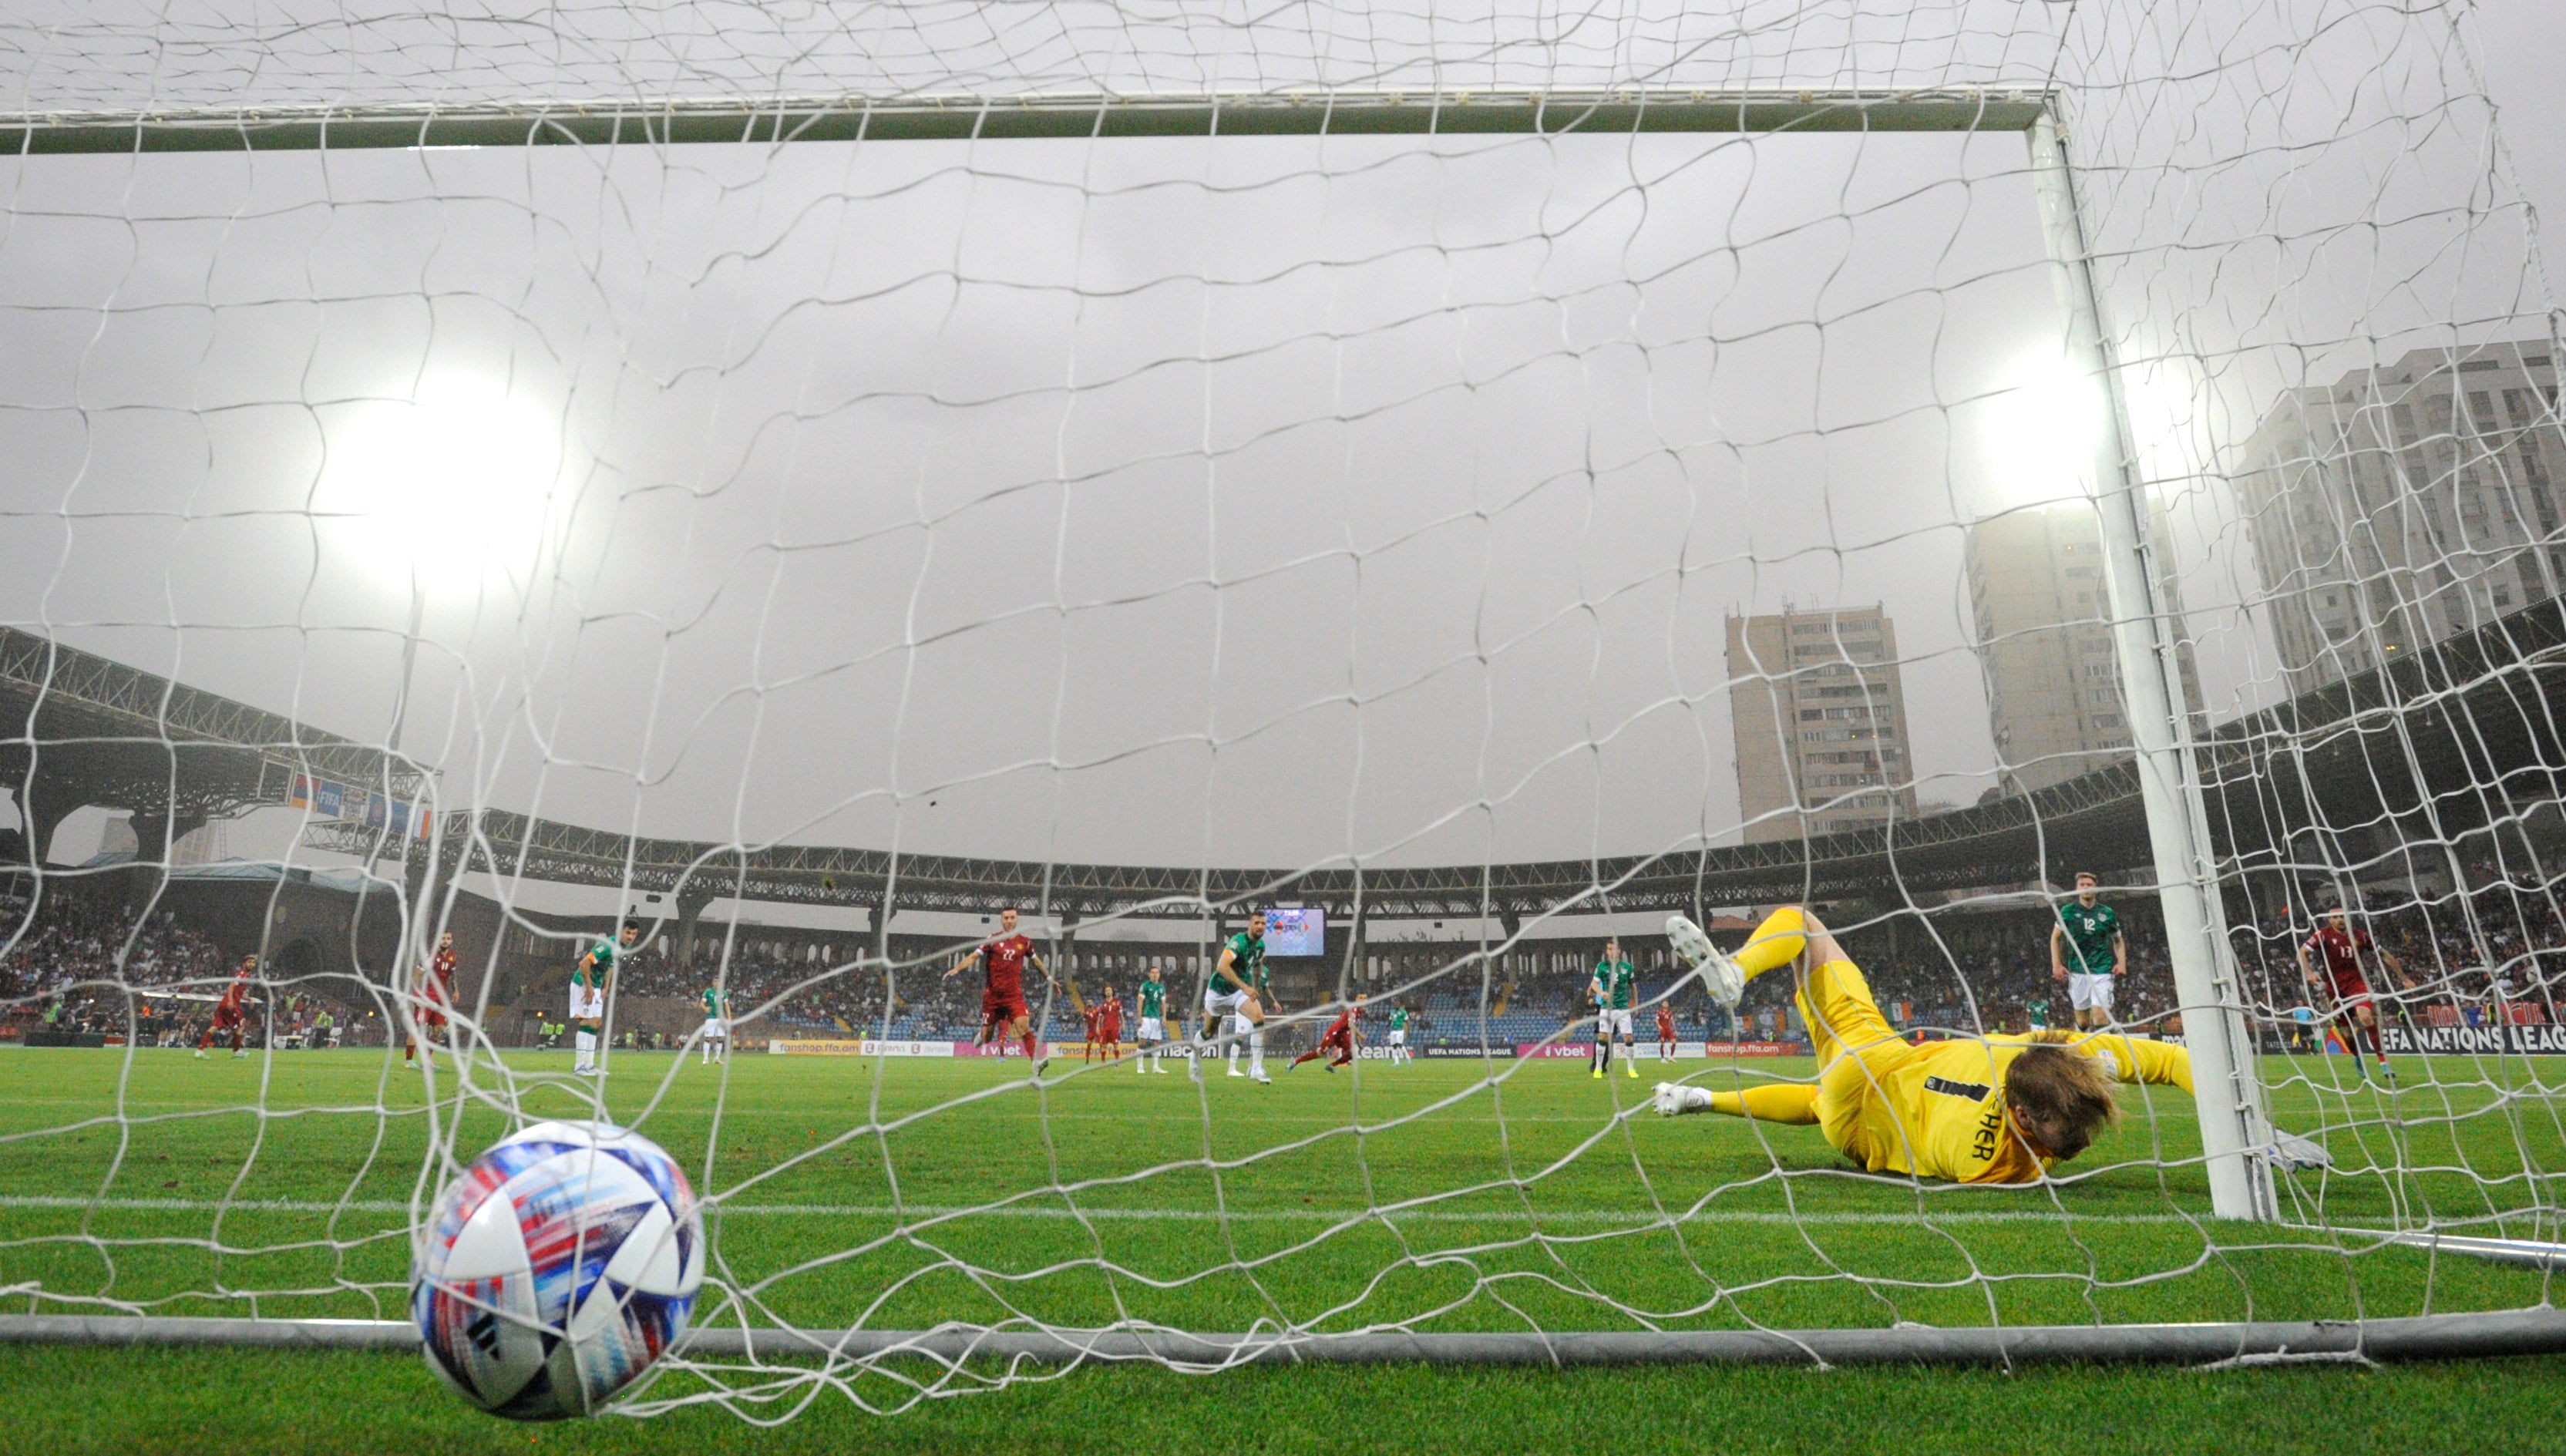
1249, 502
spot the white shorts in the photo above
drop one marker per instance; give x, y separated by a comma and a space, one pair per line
715, 1031
2089, 993
1398, 1038
1153, 1028
1613, 1022
587, 1003
1219, 1004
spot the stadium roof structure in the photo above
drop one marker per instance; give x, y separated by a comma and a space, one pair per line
2443, 740
80, 728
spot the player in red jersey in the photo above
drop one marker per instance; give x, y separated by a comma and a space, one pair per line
1665, 1033
435, 997
1093, 1019
2352, 1004
231, 1014
1109, 1025
1339, 1037
1003, 1011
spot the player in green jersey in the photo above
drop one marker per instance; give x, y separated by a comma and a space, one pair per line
1238, 993
2036, 1011
1613, 987
2089, 953
716, 1033
1398, 1035
1153, 1033
589, 982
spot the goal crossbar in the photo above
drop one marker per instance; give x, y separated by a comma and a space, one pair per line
965, 117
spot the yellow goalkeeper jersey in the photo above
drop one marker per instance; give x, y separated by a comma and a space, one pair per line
1938, 1111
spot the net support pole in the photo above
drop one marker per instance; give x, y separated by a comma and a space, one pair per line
2146, 641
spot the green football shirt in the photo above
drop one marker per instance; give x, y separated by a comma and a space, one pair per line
1247, 963
1154, 1000
1616, 981
1398, 1018
2090, 931
712, 1002
597, 965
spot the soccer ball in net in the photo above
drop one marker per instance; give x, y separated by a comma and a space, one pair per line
557, 1269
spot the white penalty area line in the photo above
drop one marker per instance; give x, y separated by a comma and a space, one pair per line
1609, 1217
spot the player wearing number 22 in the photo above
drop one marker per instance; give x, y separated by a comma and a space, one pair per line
1003, 1011
1984, 1110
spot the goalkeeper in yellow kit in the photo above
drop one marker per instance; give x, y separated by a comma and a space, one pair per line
1985, 1109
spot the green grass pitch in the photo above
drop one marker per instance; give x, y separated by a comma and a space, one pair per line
906, 1192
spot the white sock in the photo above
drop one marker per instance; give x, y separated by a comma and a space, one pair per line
1256, 1053
1233, 1056
586, 1041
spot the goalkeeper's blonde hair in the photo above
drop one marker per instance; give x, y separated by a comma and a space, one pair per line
2063, 1098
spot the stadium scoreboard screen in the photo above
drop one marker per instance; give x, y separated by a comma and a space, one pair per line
1296, 931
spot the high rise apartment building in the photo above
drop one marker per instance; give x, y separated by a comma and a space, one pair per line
2405, 504
1820, 720
2043, 615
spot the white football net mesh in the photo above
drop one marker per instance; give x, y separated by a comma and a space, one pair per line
1635, 522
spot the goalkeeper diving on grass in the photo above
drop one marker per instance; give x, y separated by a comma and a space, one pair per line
1982, 1110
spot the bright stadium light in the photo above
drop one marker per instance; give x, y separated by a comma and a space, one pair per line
2045, 421
435, 491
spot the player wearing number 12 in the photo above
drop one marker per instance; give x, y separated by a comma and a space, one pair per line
1983, 1109
2089, 953
1613, 987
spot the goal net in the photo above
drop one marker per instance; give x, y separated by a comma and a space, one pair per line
806, 486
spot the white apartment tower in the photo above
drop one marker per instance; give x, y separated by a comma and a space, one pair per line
2405, 504
2044, 637
1818, 716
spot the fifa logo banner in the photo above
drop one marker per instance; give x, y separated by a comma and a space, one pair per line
2499, 1040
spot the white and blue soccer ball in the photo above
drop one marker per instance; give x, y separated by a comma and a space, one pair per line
557, 1269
